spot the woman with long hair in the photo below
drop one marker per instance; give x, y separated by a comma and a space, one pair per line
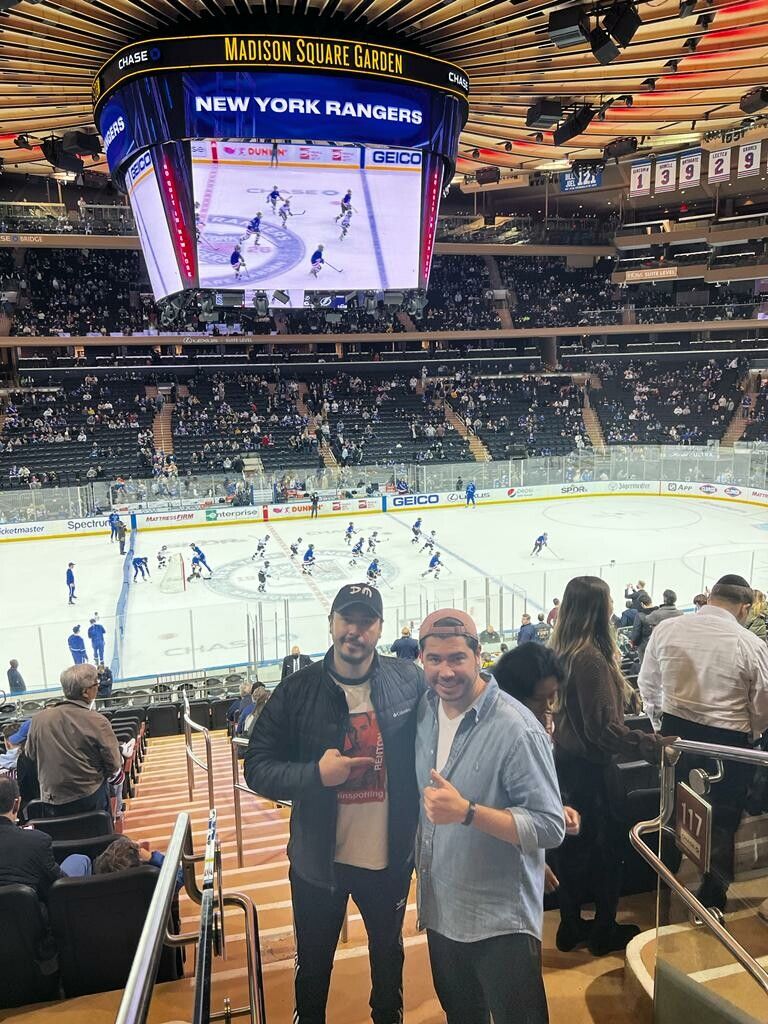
757, 619
589, 731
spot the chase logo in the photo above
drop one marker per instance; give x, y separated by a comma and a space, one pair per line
397, 158
458, 80
144, 161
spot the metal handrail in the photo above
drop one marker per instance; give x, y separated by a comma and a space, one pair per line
137, 995
192, 760
704, 914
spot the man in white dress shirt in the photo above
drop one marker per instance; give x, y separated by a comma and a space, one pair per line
705, 678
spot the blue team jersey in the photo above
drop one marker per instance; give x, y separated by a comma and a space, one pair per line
274, 194
374, 566
309, 555
254, 224
357, 549
317, 257
471, 489
70, 576
542, 539
434, 561
347, 198
417, 524
235, 258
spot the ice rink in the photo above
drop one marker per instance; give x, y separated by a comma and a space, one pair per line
379, 251
668, 542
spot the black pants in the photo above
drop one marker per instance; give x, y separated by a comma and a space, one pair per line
318, 915
589, 865
728, 799
98, 801
500, 976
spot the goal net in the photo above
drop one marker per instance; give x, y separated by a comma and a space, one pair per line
174, 579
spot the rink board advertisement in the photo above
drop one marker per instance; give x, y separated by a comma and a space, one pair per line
409, 503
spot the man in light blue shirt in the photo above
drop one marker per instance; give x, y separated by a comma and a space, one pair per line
490, 808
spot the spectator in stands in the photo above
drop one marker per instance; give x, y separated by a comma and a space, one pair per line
640, 631
125, 853
104, 675
235, 708
527, 631
700, 601
552, 614
628, 616
294, 661
541, 629
10, 756
74, 748
705, 678
26, 855
355, 810
589, 731
503, 789
16, 682
405, 647
490, 636
757, 620
636, 593
24, 768
249, 713
649, 621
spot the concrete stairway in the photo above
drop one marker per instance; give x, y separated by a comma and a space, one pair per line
735, 430
497, 284
162, 424
479, 452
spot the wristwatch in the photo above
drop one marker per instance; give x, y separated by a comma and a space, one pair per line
470, 813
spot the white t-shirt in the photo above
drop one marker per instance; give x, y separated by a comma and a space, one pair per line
362, 828
446, 730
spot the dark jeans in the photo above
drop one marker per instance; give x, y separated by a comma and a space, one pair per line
728, 799
589, 865
500, 976
318, 915
98, 801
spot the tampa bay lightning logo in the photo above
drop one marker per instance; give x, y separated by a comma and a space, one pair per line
287, 251
154, 53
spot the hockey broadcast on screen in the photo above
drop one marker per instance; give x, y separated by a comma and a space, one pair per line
303, 217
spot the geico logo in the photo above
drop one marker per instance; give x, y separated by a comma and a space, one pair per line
392, 156
87, 524
137, 57
405, 500
458, 79
117, 126
145, 160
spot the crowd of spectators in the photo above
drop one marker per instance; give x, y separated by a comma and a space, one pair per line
546, 292
457, 296
666, 403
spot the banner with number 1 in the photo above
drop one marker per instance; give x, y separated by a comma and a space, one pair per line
640, 179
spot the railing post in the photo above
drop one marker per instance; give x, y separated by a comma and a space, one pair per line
237, 805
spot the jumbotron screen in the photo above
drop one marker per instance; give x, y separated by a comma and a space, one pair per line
309, 217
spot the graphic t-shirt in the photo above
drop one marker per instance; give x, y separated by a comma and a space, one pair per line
361, 824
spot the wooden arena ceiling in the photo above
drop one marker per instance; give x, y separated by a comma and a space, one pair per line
50, 50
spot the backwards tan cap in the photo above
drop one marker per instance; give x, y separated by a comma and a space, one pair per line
452, 623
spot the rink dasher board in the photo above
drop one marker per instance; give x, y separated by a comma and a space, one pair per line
66, 529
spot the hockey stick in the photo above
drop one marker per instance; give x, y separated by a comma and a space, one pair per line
339, 270
554, 553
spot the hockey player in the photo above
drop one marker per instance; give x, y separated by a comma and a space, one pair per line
196, 572
539, 544
71, 582
263, 577
96, 635
198, 221
201, 557
162, 557
429, 542
346, 204
114, 519
373, 571
309, 560
236, 261
253, 229
140, 565
295, 548
273, 197
435, 565
357, 552
285, 211
317, 261
470, 495
416, 531
261, 548
373, 540
345, 222
348, 533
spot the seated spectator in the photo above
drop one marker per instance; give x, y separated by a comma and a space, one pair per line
125, 853
250, 712
105, 680
10, 757
628, 616
490, 636
757, 620
74, 748
26, 856
405, 646
699, 601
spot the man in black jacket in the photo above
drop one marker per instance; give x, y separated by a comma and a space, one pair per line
293, 662
26, 857
337, 739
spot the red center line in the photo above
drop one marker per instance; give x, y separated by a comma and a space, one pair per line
322, 598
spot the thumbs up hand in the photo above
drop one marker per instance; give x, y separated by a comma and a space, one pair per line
443, 803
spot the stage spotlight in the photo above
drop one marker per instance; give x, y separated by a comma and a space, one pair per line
602, 46
568, 27
574, 124
621, 23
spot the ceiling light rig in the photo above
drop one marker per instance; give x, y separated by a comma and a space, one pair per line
607, 37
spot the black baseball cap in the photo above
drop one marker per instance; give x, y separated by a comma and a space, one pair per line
361, 595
